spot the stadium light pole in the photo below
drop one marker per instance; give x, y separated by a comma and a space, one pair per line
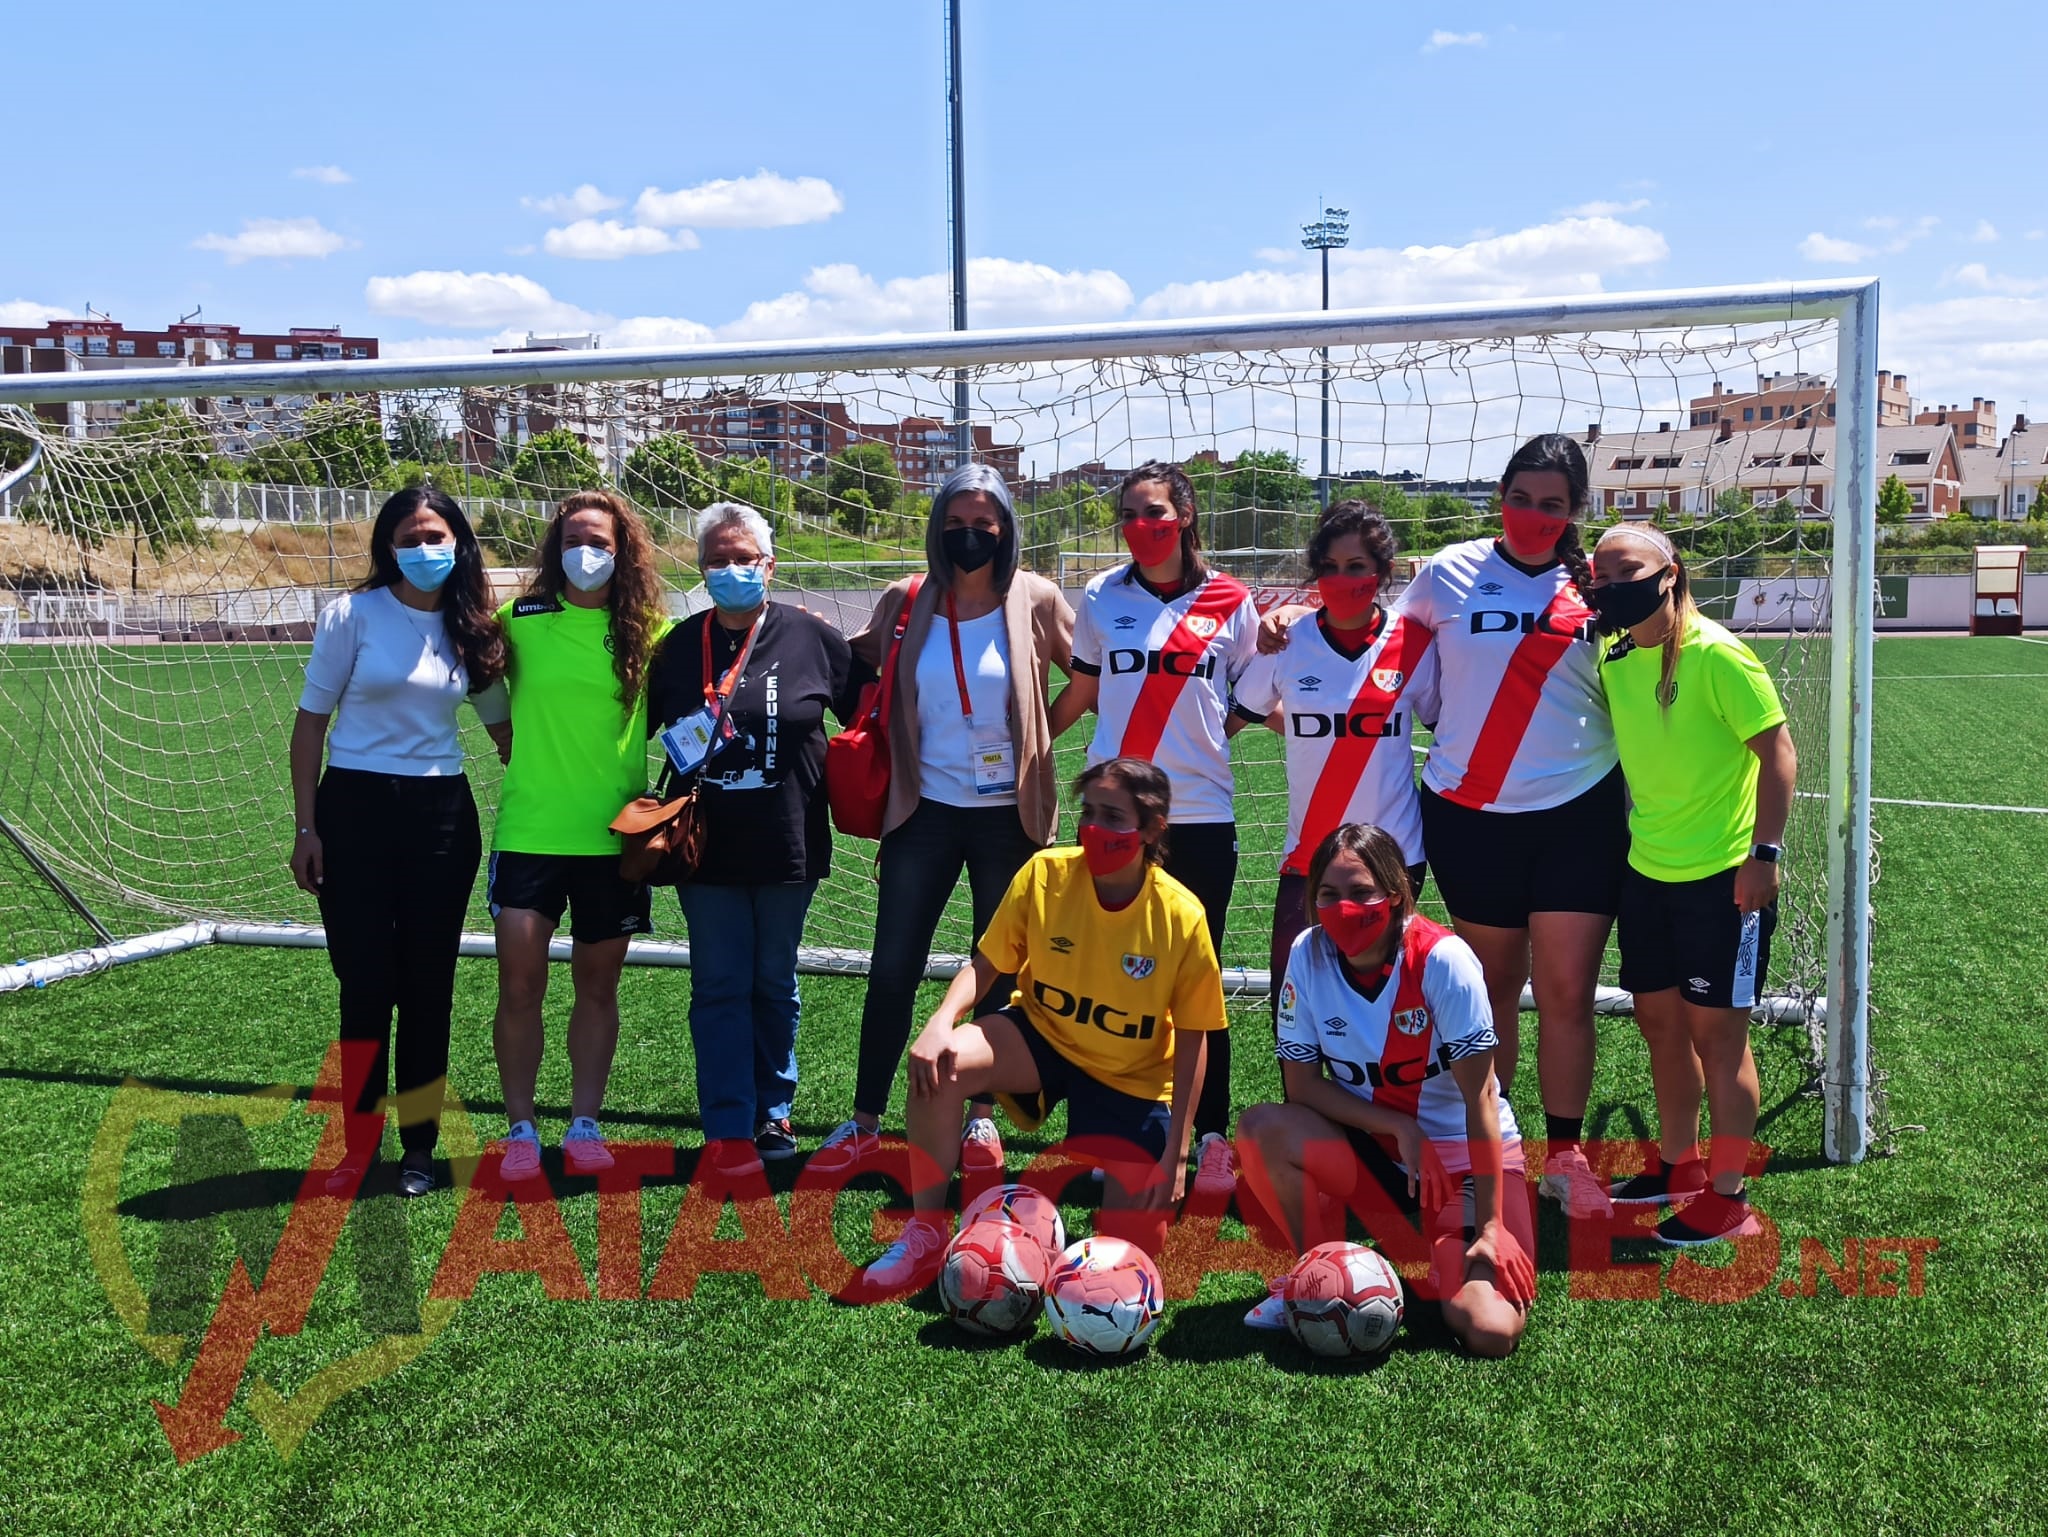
1330, 231
956, 218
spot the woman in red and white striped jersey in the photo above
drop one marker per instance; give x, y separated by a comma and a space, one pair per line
1158, 642
1350, 687
1523, 807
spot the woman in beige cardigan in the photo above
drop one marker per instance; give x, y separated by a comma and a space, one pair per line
973, 783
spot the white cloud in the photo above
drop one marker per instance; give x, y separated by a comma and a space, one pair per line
1601, 209
450, 346
585, 202
658, 331
1985, 232
2037, 234
26, 312
274, 240
1567, 256
1976, 275
1826, 248
1442, 39
478, 300
1994, 345
326, 175
608, 240
761, 201
842, 300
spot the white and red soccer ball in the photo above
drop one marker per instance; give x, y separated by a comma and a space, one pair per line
1343, 1299
1027, 1206
1105, 1297
993, 1278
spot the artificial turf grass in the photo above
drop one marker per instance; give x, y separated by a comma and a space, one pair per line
1774, 1414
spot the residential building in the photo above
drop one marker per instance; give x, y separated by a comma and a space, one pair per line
2005, 482
1976, 426
1804, 400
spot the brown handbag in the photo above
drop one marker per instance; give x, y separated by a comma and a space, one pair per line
662, 831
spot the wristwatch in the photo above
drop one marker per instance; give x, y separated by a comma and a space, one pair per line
1767, 853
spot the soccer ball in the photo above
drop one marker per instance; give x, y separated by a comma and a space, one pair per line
993, 1278
1343, 1299
1027, 1206
1104, 1297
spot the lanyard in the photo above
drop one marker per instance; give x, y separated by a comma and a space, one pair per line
724, 689
959, 666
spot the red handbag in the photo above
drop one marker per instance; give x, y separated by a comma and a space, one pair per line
857, 759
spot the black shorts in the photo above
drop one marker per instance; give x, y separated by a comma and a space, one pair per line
1094, 1109
1202, 856
601, 905
1497, 867
1689, 935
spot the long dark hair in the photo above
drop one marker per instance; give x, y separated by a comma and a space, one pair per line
1352, 516
635, 595
1382, 855
1181, 492
467, 613
1149, 789
1553, 451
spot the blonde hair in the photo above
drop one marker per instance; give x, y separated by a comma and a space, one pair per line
1683, 609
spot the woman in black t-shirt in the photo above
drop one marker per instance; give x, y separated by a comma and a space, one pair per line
773, 672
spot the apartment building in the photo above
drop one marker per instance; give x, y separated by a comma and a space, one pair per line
1804, 400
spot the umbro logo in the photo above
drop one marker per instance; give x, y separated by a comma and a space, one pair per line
1310, 684
1492, 589
1699, 984
1126, 622
1064, 945
1333, 1025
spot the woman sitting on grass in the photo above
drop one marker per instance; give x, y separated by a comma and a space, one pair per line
1386, 1038
1099, 928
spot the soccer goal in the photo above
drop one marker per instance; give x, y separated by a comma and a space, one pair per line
170, 534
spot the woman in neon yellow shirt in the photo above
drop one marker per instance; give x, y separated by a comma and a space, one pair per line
1710, 768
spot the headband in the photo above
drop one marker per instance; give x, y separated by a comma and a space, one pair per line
1651, 535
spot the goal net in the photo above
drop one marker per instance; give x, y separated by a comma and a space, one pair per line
163, 557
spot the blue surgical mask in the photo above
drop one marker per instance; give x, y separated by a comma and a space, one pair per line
426, 566
737, 589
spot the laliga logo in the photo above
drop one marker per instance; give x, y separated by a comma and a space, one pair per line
214, 1146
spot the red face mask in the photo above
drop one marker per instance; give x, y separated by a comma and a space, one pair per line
1151, 540
1348, 599
1528, 529
1107, 851
1355, 927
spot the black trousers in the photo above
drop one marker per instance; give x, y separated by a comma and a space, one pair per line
1202, 856
400, 856
919, 865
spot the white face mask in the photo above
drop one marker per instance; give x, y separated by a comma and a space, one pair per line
587, 567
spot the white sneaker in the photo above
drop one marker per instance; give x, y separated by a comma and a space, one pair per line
1272, 1312
905, 1259
583, 1149
521, 1150
981, 1147
1568, 1179
848, 1147
1215, 1166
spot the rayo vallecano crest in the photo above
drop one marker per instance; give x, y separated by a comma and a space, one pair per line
1139, 967
1201, 626
1412, 1021
1388, 680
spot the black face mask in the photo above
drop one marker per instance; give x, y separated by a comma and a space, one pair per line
969, 549
1624, 605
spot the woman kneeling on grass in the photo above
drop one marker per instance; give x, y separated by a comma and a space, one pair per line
1386, 1036
1710, 771
1099, 928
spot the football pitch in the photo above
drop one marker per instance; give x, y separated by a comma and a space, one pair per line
1780, 1406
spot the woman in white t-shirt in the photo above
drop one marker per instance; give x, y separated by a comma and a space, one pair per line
387, 837
972, 784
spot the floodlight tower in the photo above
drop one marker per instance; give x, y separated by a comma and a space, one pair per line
956, 219
1330, 232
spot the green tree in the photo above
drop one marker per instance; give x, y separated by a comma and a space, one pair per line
1894, 502
146, 479
416, 435
1270, 478
868, 467
281, 462
667, 471
856, 512
2037, 511
754, 483
553, 464
346, 443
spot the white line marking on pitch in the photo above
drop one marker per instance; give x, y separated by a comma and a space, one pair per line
1918, 677
1881, 800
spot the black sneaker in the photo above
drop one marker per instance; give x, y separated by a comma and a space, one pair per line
416, 1174
775, 1140
1709, 1217
1661, 1184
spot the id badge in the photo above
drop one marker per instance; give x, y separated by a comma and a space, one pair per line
690, 741
994, 760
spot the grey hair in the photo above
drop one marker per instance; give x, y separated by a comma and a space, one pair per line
718, 514
972, 477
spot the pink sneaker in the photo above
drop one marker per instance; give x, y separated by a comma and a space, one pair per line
849, 1146
981, 1147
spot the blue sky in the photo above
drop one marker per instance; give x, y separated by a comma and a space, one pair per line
412, 170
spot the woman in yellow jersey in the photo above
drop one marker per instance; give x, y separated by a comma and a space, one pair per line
1710, 769
1113, 965
578, 643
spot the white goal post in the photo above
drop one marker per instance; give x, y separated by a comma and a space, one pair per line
1047, 369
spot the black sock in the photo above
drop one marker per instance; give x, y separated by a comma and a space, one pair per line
1562, 1131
